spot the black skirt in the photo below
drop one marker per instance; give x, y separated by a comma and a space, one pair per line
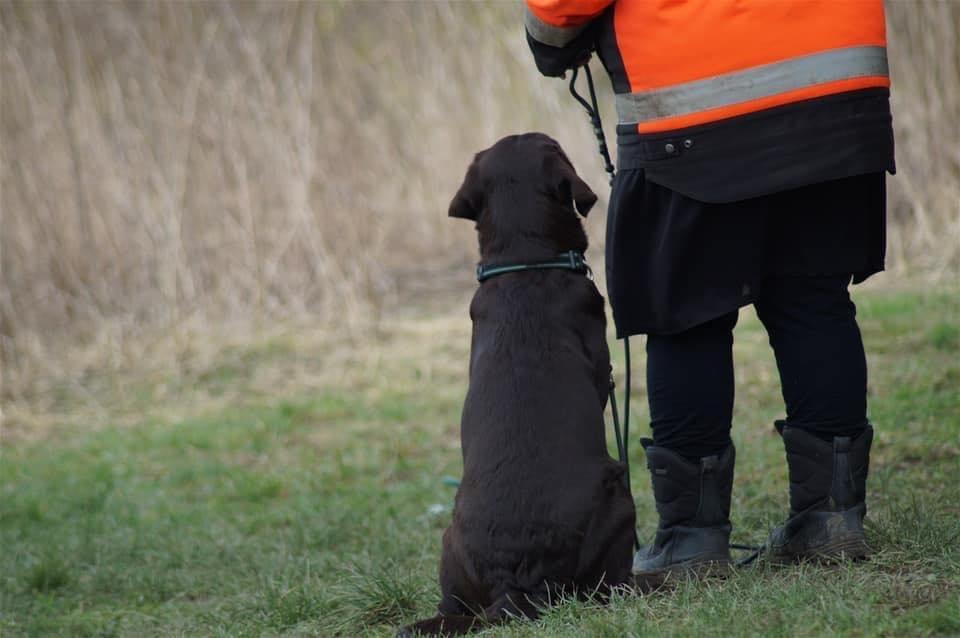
674, 262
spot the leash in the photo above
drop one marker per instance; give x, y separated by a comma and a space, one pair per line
593, 112
623, 440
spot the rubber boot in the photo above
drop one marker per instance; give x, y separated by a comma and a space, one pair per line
827, 497
693, 501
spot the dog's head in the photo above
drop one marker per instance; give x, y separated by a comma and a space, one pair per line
524, 196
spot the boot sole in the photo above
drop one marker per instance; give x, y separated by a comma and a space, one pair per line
835, 551
826, 537
690, 570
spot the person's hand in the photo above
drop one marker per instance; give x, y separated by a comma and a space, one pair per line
554, 62
582, 60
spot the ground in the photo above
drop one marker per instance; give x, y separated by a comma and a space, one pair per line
315, 506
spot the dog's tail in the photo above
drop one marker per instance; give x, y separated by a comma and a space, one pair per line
442, 626
512, 604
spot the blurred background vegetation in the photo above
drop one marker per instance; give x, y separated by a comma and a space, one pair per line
175, 173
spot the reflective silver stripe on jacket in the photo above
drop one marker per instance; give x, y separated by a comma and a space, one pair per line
756, 82
549, 34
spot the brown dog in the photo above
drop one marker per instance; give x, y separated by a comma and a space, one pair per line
542, 508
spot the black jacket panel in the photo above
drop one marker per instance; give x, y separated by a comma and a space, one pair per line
751, 155
769, 151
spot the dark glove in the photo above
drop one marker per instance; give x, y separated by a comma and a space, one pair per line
555, 61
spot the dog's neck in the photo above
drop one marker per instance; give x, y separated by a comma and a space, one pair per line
504, 237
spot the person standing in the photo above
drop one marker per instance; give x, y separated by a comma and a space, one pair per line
753, 141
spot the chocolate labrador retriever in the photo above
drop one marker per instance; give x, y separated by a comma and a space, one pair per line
542, 509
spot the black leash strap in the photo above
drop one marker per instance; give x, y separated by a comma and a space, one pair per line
593, 111
622, 446
621, 450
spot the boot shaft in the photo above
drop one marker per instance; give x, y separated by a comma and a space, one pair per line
687, 493
825, 475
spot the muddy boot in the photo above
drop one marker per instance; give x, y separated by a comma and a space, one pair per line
693, 501
827, 498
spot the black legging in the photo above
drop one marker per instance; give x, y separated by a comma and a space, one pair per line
812, 326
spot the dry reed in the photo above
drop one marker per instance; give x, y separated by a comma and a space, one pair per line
182, 169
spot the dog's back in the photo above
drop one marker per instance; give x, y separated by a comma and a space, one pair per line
537, 476
541, 508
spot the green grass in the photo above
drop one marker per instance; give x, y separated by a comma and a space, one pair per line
312, 515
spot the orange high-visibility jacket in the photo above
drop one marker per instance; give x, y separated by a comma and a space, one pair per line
705, 83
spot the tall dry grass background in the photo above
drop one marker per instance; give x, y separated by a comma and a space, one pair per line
172, 172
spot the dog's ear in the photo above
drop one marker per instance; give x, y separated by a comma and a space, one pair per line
468, 202
572, 186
